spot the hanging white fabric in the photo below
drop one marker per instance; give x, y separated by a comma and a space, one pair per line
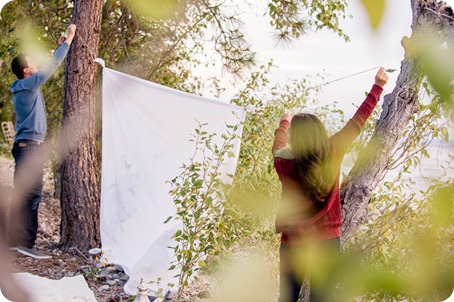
145, 140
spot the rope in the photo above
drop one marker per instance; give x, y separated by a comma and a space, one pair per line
77, 33
312, 87
346, 77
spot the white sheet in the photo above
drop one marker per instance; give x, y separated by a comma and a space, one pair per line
146, 133
68, 289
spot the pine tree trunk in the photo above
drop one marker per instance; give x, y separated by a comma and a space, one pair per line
398, 108
80, 180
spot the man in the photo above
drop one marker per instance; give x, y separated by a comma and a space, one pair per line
28, 151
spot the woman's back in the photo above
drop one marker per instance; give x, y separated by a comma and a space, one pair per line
309, 172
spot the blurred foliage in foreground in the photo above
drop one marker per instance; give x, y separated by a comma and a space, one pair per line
404, 252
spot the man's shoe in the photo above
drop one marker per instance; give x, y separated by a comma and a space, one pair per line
31, 252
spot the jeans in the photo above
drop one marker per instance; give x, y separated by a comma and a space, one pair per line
28, 184
297, 261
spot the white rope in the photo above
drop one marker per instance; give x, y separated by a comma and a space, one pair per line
76, 33
345, 77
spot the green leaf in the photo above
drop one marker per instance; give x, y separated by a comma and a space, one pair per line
198, 183
168, 219
201, 263
177, 234
375, 10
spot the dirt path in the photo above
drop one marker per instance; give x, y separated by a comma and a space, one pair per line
106, 282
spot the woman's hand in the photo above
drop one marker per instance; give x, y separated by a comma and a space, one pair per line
381, 78
287, 116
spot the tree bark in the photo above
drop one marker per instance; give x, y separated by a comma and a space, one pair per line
398, 108
80, 180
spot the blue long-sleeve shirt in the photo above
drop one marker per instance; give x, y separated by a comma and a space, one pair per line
28, 99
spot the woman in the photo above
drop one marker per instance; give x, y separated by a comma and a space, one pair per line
309, 214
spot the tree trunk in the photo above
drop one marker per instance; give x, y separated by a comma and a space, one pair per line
79, 172
398, 108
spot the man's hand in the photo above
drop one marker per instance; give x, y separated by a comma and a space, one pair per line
381, 78
71, 33
71, 30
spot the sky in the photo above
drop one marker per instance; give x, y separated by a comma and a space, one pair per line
325, 52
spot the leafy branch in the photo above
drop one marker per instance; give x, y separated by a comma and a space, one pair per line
199, 194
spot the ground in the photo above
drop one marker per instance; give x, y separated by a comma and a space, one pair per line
106, 282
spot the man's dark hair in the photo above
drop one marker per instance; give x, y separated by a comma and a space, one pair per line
18, 64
